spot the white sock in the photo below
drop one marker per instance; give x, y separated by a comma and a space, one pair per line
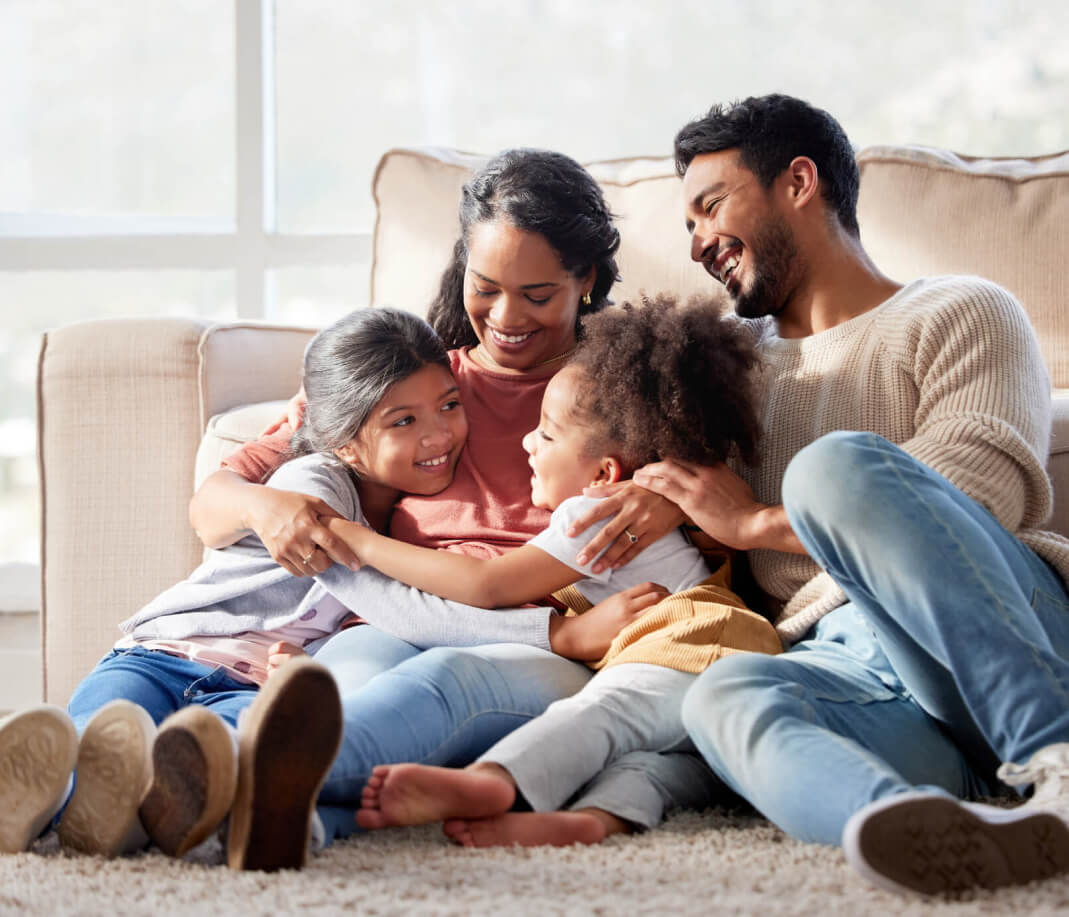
233, 733
317, 837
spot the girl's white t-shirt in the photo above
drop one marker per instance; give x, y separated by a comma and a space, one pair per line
672, 561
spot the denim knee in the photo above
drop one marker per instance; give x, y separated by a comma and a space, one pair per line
456, 662
451, 676
726, 695
832, 478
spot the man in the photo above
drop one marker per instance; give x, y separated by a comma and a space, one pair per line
926, 612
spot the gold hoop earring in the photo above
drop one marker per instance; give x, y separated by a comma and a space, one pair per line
586, 299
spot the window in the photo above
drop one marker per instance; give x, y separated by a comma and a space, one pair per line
216, 157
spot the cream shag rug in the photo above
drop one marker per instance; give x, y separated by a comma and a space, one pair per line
708, 863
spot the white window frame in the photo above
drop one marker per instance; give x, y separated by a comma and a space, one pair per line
252, 247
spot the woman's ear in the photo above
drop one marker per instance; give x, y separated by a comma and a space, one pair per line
589, 281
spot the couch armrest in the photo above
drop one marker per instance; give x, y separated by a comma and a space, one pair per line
122, 405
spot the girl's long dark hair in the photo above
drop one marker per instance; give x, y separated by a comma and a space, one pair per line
350, 365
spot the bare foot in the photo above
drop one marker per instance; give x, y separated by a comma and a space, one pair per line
528, 829
417, 794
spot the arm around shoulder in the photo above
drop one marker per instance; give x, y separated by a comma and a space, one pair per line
523, 575
291, 524
218, 511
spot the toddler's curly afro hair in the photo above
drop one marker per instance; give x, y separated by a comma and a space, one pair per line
664, 380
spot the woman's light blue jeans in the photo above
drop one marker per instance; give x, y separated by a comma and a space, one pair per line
949, 657
442, 706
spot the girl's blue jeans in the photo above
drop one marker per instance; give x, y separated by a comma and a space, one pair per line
439, 706
161, 684
949, 656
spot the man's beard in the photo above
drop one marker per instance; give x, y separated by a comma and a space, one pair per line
773, 252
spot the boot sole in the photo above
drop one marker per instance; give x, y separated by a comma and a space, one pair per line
113, 773
288, 742
194, 774
38, 749
936, 846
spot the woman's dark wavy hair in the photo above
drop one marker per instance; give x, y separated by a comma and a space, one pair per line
350, 365
769, 131
537, 191
662, 380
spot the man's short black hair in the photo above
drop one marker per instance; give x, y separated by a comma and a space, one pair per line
769, 131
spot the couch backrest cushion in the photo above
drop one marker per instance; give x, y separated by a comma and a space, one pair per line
417, 192
416, 196
927, 211
922, 211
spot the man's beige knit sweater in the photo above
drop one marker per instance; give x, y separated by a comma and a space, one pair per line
950, 370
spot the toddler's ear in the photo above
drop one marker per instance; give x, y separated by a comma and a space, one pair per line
610, 470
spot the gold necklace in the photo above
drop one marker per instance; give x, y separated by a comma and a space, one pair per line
493, 364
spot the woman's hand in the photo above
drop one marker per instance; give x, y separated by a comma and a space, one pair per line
640, 517
588, 636
278, 654
293, 528
294, 415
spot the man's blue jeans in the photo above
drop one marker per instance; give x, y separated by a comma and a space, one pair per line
949, 657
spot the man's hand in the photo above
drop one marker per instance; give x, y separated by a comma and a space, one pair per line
588, 636
721, 504
639, 518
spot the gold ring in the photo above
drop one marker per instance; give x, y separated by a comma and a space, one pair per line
632, 538
304, 560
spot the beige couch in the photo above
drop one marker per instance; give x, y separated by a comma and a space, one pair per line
123, 405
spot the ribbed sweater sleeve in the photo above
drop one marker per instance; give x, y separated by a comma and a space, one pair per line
983, 413
950, 370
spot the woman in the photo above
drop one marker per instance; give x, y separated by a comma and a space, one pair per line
536, 252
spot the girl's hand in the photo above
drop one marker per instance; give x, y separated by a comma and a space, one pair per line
278, 654
292, 527
640, 517
588, 636
294, 415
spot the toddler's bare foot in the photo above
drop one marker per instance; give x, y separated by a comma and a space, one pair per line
418, 794
528, 829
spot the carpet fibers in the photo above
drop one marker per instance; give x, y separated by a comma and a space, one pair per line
707, 863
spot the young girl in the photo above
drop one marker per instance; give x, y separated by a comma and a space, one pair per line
383, 419
645, 384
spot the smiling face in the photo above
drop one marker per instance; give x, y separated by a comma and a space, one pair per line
520, 300
412, 439
559, 449
738, 235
